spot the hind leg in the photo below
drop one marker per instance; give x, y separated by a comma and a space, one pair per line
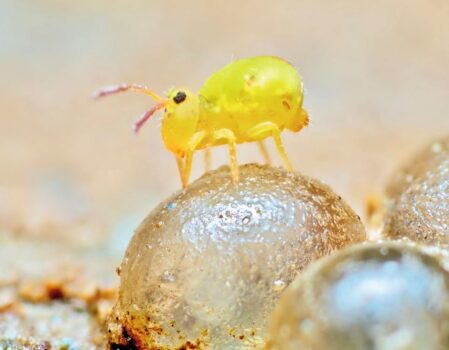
270, 128
207, 161
264, 151
229, 136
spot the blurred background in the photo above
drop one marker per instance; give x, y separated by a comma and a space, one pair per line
375, 72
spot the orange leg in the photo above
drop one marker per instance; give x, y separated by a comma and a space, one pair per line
187, 169
180, 164
192, 146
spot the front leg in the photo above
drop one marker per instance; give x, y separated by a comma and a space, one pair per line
180, 164
229, 136
192, 145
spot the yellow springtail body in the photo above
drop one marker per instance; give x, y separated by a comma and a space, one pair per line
248, 100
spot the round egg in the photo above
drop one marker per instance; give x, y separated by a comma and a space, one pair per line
417, 206
377, 296
207, 266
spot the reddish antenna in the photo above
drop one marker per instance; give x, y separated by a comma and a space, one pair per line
111, 90
142, 120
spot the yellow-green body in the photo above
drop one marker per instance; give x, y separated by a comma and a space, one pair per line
238, 97
251, 91
247, 100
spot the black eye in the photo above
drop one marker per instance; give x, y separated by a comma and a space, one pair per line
180, 97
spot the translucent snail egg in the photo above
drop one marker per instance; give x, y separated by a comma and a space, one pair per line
206, 267
382, 296
418, 198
